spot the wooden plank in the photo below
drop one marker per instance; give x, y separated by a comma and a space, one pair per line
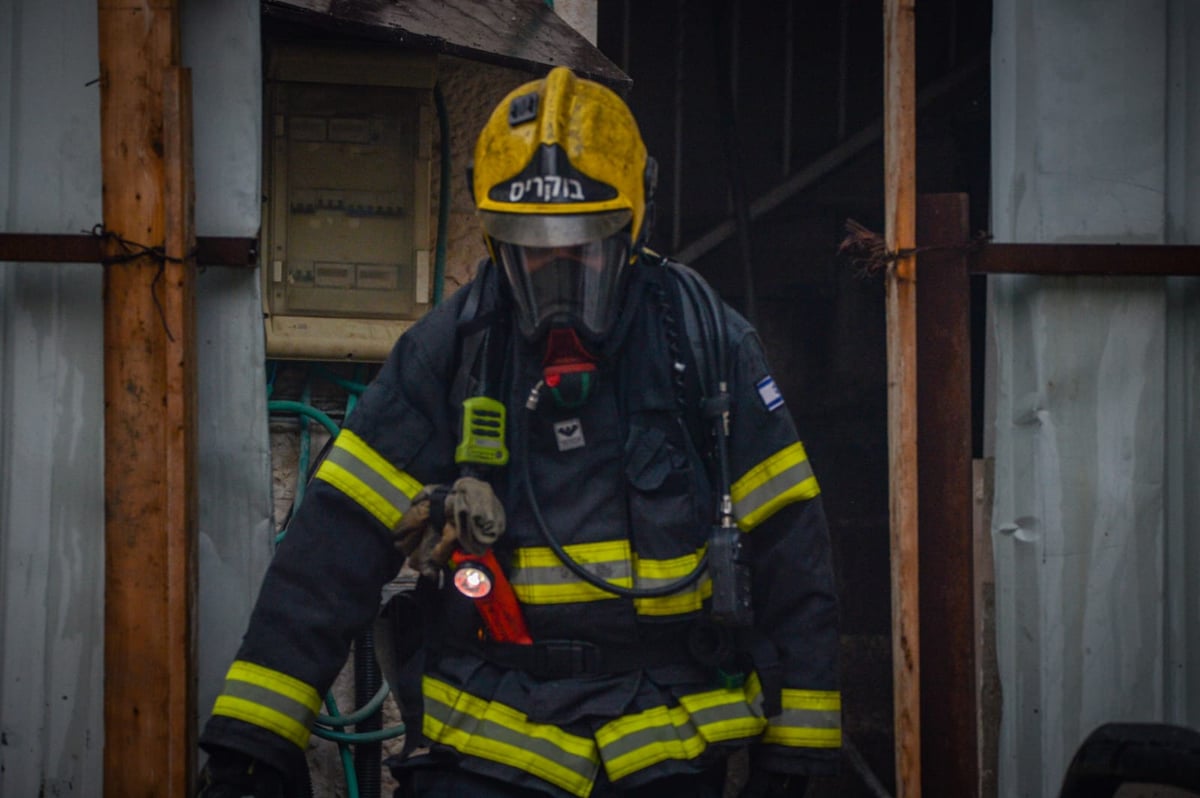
146, 708
179, 453
522, 34
899, 140
947, 593
1087, 259
73, 248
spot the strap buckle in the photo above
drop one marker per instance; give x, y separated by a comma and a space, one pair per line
562, 659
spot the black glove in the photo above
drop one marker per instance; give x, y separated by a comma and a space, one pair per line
229, 774
765, 784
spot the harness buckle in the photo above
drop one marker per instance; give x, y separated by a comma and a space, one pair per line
562, 659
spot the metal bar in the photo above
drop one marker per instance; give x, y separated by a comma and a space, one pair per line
899, 158
71, 248
946, 549
1087, 259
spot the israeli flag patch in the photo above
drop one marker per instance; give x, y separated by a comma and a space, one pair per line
768, 391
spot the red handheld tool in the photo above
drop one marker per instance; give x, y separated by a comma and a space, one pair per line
480, 578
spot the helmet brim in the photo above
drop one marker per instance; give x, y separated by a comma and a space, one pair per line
553, 230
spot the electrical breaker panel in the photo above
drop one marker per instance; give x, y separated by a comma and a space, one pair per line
346, 251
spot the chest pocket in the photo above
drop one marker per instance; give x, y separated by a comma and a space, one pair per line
667, 495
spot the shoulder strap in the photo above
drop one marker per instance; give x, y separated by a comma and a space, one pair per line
687, 283
473, 330
704, 323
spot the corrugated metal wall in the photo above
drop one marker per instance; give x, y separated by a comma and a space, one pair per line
51, 409
51, 380
1096, 405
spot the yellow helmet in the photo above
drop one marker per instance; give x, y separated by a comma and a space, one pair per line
561, 165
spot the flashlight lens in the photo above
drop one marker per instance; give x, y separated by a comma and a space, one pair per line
472, 582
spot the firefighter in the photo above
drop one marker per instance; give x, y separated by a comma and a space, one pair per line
626, 572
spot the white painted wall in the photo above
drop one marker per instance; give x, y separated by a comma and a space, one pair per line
1097, 380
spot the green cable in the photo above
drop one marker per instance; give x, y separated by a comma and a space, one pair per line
305, 446
353, 386
362, 713
288, 406
360, 737
344, 751
439, 267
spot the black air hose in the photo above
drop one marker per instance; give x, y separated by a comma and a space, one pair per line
367, 681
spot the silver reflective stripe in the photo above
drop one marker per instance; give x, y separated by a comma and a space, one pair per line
561, 575
372, 479
808, 719
497, 732
360, 472
781, 479
539, 577
270, 699
673, 733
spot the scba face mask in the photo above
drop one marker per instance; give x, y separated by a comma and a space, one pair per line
577, 285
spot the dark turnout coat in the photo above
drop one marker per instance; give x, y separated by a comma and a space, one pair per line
641, 687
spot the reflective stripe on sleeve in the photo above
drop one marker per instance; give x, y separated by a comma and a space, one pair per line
365, 476
269, 699
810, 719
781, 479
496, 732
635, 742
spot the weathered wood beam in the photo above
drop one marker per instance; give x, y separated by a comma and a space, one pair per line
149, 379
899, 156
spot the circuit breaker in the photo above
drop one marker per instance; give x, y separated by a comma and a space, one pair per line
346, 250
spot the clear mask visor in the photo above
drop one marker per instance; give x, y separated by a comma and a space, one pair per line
576, 285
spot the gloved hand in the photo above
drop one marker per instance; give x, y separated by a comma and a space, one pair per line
766, 784
230, 774
466, 515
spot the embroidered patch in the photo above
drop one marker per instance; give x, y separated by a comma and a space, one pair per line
768, 391
568, 434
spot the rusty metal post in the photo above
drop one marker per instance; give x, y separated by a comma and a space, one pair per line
949, 753
899, 148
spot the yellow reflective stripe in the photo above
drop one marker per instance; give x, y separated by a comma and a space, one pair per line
264, 717
269, 699
539, 577
491, 730
690, 600
635, 742
368, 478
810, 719
781, 479
653, 573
